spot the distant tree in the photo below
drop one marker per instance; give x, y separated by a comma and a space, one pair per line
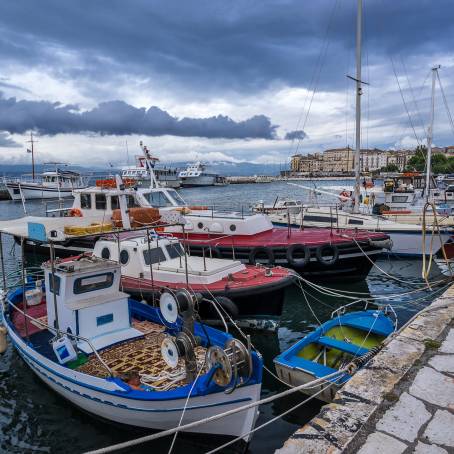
390, 168
418, 160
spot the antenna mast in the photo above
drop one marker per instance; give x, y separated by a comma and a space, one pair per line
430, 133
32, 151
359, 19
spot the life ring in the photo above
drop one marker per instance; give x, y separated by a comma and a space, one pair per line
261, 250
345, 194
324, 250
298, 249
75, 213
228, 305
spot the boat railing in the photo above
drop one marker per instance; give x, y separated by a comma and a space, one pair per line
386, 308
60, 333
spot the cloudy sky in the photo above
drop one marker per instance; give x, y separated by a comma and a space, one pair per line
217, 80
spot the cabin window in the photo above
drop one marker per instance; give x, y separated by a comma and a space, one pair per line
200, 225
131, 202
105, 253
174, 250
104, 319
92, 283
355, 222
114, 203
157, 199
232, 227
399, 198
100, 200
56, 281
85, 201
156, 255
124, 257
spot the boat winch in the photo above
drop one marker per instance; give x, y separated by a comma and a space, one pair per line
232, 363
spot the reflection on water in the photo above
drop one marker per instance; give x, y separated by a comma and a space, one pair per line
34, 419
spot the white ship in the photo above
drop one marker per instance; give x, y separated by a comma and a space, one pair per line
195, 175
167, 178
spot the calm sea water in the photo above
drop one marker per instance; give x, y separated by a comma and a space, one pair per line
35, 419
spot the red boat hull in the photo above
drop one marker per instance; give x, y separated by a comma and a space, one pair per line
353, 252
253, 293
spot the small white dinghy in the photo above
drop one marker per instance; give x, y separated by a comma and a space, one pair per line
85, 339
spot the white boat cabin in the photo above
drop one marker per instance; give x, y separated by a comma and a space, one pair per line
166, 257
193, 170
89, 302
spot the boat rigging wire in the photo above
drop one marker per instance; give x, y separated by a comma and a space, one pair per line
445, 102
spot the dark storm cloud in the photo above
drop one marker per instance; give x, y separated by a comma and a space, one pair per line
7, 142
119, 118
210, 45
294, 135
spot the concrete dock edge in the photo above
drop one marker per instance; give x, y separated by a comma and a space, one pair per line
344, 425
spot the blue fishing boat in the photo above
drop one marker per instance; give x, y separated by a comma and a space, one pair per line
333, 345
125, 361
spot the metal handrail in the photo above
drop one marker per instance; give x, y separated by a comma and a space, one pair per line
64, 333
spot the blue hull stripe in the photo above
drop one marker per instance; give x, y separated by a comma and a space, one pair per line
30, 360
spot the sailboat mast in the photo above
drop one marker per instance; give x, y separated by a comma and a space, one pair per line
33, 155
359, 20
430, 134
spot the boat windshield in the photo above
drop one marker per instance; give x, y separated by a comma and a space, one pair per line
174, 250
174, 194
161, 198
157, 199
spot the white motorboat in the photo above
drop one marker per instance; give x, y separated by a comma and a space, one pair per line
280, 205
251, 294
407, 239
55, 184
196, 175
128, 362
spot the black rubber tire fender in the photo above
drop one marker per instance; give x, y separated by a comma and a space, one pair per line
323, 250
215, 252
261, 250
229, 306
298, 262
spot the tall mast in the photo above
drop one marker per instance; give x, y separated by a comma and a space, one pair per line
430, 134
33, 155
359, 20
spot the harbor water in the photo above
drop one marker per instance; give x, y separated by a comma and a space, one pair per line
33, 419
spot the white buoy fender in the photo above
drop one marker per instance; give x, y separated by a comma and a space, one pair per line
3, 341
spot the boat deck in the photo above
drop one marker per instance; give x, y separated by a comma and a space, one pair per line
142, 355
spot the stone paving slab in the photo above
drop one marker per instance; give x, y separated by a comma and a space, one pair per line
448, 345
441, 429
422, 448
405, 418
443, 363
433, 387
378, 443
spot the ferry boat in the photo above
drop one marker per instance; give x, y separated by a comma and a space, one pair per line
334, 344
125, 361
50, 185
196, 175
253, 295
167, 178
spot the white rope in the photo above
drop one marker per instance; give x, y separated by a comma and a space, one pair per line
209, 419
186, 403
305, 401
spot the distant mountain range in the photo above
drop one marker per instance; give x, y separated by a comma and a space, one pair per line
222, 168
